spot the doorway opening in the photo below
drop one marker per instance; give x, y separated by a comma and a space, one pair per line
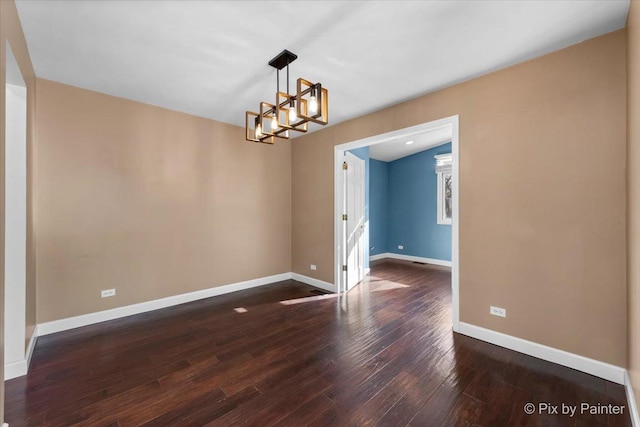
352, 234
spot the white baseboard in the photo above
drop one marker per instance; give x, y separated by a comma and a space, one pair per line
15, 369
21, 367
561, 357
32, 345
367, 271
313, 282
633, 409
116, 313
411, 258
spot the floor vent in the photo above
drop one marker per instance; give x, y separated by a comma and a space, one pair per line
319, 292
418, 262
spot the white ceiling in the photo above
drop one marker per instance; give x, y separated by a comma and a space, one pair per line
209, 58
393, 150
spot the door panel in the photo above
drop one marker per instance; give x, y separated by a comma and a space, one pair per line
354, 202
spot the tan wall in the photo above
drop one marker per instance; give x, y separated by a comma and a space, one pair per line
542, 195
151, 202
11, 31
633, 192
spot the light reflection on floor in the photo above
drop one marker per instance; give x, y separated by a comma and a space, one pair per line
369, 284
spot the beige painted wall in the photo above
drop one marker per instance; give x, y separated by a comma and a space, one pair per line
633, 192
151, 202
542, 195
11, 31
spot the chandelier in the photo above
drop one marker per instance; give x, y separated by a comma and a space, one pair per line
290, 112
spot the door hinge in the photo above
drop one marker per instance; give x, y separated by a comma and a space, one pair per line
344, 217
345, 165
344, 268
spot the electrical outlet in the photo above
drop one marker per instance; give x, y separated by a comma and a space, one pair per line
313, 267
497, 311
108, 293
400, 247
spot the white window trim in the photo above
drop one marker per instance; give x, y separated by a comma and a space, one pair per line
444, 166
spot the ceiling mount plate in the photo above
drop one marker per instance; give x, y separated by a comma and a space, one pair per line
283, 59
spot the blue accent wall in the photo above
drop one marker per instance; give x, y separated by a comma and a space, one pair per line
363, 153
408, 207
378, 206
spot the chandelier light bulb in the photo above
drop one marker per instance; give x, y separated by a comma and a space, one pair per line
293, 116
274, 123
258, 130
313, 104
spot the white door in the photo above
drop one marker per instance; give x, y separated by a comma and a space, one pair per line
354, 225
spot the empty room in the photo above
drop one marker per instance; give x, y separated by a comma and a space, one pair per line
320, 213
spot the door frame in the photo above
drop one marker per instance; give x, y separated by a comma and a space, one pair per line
453, 121
16, 353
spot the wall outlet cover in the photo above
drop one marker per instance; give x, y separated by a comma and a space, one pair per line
107, 293
497, 311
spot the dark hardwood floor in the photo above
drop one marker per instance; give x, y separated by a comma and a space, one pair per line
286, 355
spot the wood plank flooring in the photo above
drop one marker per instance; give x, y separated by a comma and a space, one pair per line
287, 355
